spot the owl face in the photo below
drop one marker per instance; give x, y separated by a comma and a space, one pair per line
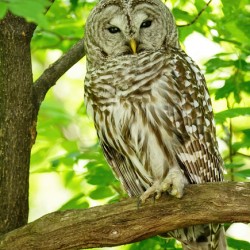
123, 27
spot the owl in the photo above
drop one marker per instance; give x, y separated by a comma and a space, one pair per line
151, 107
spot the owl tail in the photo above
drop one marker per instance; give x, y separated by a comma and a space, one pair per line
202, 237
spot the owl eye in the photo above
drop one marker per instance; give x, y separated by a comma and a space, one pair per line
113, 30
146, 24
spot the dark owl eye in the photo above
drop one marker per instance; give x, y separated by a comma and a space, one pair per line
146, 24
113, 30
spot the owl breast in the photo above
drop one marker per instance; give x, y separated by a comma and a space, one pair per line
128, 103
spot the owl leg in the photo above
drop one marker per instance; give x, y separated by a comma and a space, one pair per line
174, 183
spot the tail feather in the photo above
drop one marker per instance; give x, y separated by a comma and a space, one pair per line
201, 237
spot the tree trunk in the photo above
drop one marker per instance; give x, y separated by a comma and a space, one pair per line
17, 120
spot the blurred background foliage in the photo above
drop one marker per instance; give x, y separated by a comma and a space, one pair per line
68, 170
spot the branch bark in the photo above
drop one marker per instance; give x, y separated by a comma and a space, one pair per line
56, 70
124, 222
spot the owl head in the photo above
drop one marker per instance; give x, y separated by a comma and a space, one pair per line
126, 27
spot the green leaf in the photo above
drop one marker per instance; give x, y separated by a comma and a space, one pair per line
45, 40
33, 11
3, 9
233, 165
101, 193
226, 90
242, 65
74, 4
215, 63
99, 175
243, 173
155, 243
242, 144
245, 86
238, 244
77, 202
231, 113
182, 15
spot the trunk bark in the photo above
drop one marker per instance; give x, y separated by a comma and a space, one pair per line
17, 120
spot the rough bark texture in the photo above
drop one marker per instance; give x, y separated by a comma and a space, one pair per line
124, 222
16, 120
20, 101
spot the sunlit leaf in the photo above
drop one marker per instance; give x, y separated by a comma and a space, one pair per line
231, 113
33, 11
3, 9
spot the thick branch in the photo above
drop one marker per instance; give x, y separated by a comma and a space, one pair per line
56, 70
122, 223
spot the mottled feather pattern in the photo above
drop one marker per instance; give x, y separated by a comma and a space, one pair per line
144, 87
151, 107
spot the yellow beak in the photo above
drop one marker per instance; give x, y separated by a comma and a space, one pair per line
133, 45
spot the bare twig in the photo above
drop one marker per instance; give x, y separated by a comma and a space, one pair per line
124, 222
196, 18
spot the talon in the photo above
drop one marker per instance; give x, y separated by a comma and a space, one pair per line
138, 202
165, 187
142, 200
179, 196
158, 195
154, 198
174, 183
174, 192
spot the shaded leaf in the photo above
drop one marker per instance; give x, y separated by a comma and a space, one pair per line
101, 193
238, 244
33, 11
243, 173
77, 202
234, 165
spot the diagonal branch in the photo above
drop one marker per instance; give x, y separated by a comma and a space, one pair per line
123, 222
56, 70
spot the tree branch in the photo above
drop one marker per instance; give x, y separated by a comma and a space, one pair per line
56, 70
124, 222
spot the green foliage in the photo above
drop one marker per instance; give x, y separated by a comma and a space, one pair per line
33, 11
238, 244
155, 243
67, 145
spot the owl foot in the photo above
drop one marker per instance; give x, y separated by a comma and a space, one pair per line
174, 184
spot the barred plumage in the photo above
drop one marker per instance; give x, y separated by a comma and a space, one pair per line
151, 107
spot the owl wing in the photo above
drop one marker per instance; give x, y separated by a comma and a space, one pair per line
193, 122
123, 170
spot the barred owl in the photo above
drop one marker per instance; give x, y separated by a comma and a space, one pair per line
151, 107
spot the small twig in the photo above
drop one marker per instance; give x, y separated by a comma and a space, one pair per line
199, 14
244, 155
